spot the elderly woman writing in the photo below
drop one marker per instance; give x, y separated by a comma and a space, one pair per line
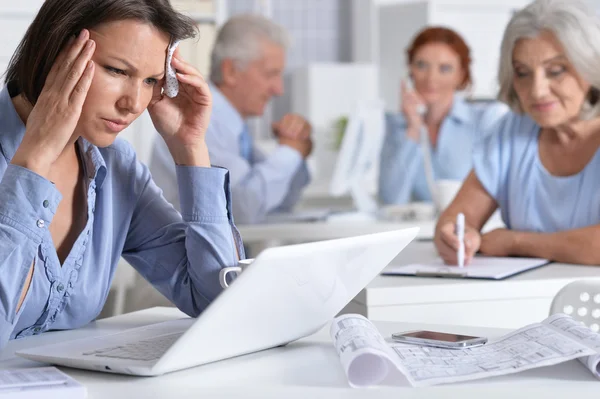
541, 163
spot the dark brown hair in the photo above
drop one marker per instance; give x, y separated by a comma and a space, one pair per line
58, 20
447, 36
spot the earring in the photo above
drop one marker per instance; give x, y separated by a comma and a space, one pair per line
593, 95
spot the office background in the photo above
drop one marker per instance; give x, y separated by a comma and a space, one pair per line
343, 51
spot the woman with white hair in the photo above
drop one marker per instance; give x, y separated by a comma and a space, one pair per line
541, 165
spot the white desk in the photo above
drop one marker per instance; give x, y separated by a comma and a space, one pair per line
318, 231
279, 233
308, 368
509, 303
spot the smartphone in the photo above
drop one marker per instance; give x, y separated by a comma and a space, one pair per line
439, 339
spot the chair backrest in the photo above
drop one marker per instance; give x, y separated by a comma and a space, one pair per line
581, 300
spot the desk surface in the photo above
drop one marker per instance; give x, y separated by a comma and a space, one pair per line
307, 368
340, 228
318, 231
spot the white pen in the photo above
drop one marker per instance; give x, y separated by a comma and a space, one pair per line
460, 232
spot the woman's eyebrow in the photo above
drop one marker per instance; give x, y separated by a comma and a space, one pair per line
134, 69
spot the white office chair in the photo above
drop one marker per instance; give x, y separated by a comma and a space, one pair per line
581, 300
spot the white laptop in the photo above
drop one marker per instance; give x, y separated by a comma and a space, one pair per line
287, 293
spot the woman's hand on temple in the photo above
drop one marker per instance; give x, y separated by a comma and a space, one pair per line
53, 119
182, 121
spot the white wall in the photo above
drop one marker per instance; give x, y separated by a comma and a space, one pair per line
15, 17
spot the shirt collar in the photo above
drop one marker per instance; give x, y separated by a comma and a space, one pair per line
460, 110
12, 131
95, 166
225, 114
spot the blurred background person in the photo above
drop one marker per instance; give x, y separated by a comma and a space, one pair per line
247, 64
439, 67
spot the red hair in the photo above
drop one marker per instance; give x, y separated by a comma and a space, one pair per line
449, 37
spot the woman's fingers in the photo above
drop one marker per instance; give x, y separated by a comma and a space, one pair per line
448, 236
67, 58
78, 67
196, 87
80, 91
59, 62
472, 242
183, 67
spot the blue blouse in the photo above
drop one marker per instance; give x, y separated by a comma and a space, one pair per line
508, 165
402, 172
180, 254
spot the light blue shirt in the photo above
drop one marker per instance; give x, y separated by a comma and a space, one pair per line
180, 254
508, 166
402, 172
268, 184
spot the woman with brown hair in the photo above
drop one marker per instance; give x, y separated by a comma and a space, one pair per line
439, 64
73, 197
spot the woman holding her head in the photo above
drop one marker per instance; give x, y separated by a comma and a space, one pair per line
439, 64
73, 197
541, 164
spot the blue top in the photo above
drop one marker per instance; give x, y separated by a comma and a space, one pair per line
402, 172
530, 198
181, 255
260, 185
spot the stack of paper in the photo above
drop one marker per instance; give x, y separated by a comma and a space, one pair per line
39, 382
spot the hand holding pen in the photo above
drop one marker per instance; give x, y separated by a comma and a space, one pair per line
448, 242
460, 234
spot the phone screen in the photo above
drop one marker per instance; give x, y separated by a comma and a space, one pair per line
438, 336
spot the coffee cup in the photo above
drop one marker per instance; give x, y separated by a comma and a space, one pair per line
237, 270
446, 191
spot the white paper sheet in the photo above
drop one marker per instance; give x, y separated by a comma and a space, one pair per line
580, 333
364, 354
366, 357
481, 267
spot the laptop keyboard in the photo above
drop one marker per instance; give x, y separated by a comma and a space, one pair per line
147, 349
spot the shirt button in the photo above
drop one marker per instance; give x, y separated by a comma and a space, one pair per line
37, 329
60, 288
46, 203
40, 223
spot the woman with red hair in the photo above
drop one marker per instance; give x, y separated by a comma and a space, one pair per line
439, 65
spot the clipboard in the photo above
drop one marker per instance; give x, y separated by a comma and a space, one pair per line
482, 267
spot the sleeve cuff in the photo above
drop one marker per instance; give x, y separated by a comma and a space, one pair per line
28, 199
204, 194
287, 158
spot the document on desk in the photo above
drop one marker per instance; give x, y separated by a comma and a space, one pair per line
39, 382
367, 360
482, 267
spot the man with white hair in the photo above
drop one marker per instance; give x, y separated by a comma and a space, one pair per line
247, 64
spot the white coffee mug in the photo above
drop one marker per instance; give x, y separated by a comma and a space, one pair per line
242, 265
446, 191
